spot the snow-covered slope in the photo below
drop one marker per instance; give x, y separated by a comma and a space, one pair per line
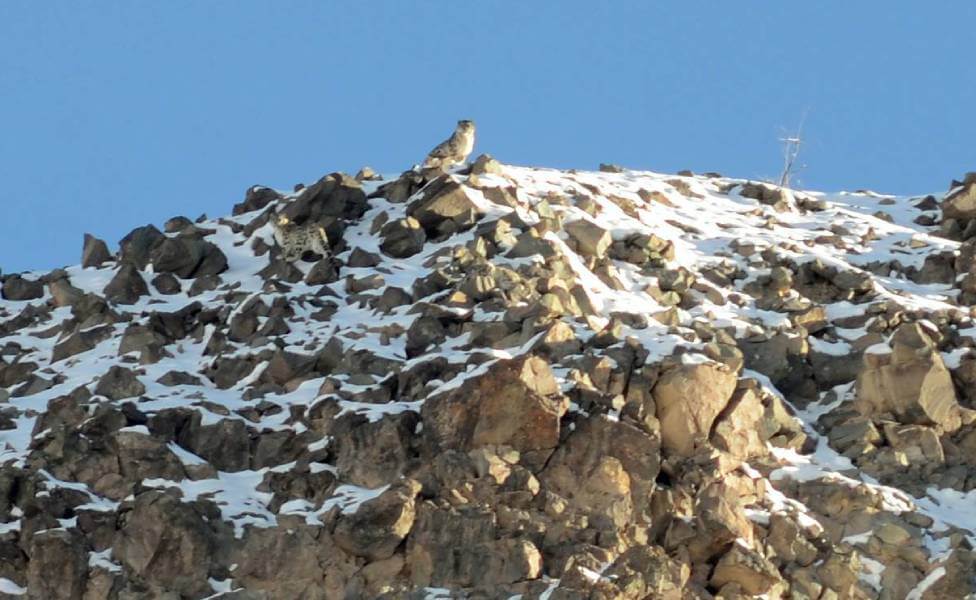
506, 381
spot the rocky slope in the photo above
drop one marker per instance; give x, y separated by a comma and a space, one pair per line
506, 382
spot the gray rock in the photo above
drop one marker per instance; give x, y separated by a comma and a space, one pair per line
16, 287
167, 543
402, 238
94, 252
127, 286
135, 248
119, 383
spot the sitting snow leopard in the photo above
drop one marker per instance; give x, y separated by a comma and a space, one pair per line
296, 240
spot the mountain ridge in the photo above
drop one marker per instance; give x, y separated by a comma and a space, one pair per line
504, 381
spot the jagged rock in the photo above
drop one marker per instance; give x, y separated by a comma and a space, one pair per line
379, 525
167, 283
336, 195
911, 382
323, 272
592, 239
256, 198
486, 165
203, 283
961, 202
402, 238
171, 378
225, 444
94, 252
459, 548
167, 543
187, 257
127, 286
604, 468
16, 287
746, 568
119, 383
689, 397
444, 208
58, 566
738, 429
515, 403
135, 248
372, 454
81, 341
401, 188
142, 456
62, 292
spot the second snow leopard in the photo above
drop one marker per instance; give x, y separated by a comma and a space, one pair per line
295, 240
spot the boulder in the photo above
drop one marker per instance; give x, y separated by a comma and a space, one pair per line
444, 208
336, 195
591, 239
603, 467
16, 287
402, 238
514, 402
961, 202
689, 397
119, 383
135, 248
58, 566
910, 382
379, 525
373, 453
256, 198
127, 286
94, 252
748, 569
62, 292
187, 257
166, 543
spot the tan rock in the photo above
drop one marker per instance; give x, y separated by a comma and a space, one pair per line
379, 525
591, 239
689, 397
738, 430
747, 568
911, 382
960, 204
515, 403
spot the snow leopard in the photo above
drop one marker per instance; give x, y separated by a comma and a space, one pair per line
455, 149
296, 240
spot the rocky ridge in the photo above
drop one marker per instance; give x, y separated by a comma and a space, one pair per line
504, 382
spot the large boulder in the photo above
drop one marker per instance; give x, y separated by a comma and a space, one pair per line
94, 252
402, 238
167, 543
58, 567
136, 247
119, 383
688, 398
127, 286
591, 239
379, 525
256, 198
515, 403
960, 203
603, 467
187, 257
336, 195
444, 208
16, 287
910, 381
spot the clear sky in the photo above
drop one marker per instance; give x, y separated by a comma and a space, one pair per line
117, 114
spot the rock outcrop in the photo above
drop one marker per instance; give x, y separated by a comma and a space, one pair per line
505, 382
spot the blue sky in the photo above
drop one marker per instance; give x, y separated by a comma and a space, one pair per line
117, 114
